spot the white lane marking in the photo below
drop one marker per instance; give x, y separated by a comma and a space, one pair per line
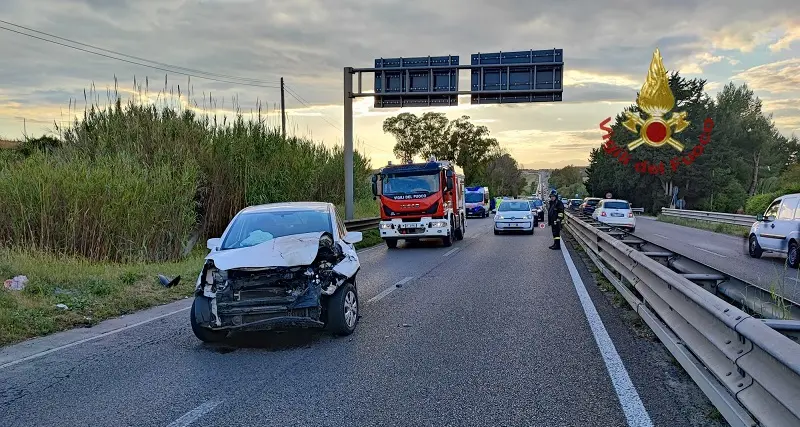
450, 252
104, 334
193, 415
663, 237
629, 399
389, 290
713, 253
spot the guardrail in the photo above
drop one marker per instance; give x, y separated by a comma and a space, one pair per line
748, 370
637, 210
724, 218
362, 224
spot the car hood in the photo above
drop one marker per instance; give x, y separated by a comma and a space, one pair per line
286, 251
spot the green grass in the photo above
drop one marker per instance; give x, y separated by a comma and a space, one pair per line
371, 238
93, 291
733, 230
364, 208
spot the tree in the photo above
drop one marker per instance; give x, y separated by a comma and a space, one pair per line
503, 175
407, 130
459, 141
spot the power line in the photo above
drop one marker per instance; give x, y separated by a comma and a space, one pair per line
139, 63
302, 101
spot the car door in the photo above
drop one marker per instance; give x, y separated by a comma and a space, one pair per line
768, 237
785, 223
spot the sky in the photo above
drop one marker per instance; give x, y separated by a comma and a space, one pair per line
607, 50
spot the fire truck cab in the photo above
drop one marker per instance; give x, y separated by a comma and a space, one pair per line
420, 201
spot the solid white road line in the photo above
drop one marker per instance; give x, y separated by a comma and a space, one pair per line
629, 399
104, 334
389, 290
713, 253
451, 251
663, 237
195, 414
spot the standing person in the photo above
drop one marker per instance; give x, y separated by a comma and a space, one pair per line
555, 215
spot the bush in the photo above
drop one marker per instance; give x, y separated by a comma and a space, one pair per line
758, 204
132, 182
106, 209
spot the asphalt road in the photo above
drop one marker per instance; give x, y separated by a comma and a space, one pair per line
491, 331
723, 252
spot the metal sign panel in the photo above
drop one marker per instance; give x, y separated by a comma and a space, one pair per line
405, 83
515, 77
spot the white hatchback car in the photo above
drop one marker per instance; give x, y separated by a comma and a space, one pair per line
514, 215
616, 213
277, 266
778, 230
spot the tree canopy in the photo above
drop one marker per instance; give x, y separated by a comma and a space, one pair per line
469, 146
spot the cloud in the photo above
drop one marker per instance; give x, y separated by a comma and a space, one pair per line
607, 49
775, 77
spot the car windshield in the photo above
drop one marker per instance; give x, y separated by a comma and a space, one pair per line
251, 229
410, 184
592, 202
514, 206
616, 205
474, 198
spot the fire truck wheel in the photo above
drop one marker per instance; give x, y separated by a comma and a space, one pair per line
459, 232
391, 243
447, 241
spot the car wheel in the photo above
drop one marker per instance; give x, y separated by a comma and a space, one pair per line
496, 233
202, 333
343, 310
754, 248
792, 257
391, 243
633, 229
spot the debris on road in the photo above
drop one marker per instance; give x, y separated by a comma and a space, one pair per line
16, 283
406, 325
167, 282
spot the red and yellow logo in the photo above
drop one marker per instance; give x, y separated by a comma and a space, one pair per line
655, 130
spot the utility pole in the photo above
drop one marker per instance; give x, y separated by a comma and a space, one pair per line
283, 112
348, 143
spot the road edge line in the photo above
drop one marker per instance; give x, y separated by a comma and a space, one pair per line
632, 406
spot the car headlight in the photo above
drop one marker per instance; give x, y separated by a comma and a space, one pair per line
439, 224
385, 226
528, 216
499, 217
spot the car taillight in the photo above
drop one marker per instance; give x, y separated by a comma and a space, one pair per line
630, 214
602, 214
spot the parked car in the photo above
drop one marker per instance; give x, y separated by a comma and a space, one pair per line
589, 204
574, 204
514, 215
778, 230
278, 266
537, 208
615, 212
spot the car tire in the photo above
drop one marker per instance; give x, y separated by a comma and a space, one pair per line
496, 233
343, 310
530, 233
633, 229
391, 243
202, 333
754, 248
792, 256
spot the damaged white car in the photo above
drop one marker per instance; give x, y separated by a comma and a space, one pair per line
279, 266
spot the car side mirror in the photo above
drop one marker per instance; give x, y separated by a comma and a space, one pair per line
353, 237
213, 244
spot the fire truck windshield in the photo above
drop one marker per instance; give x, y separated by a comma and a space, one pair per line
410, 184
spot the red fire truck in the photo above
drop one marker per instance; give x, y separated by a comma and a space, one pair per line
420, 201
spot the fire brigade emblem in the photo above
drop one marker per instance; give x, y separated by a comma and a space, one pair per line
656, 100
